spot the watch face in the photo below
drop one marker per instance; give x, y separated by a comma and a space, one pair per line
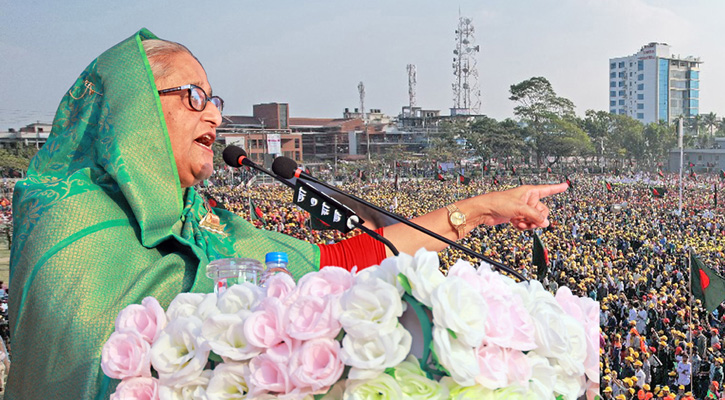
457, 218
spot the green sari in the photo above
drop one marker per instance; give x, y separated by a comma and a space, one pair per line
101, 222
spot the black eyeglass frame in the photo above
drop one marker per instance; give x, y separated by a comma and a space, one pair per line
207, 99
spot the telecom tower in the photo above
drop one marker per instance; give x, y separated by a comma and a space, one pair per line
466, 95
412, 80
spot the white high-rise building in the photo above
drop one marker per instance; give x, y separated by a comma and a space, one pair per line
654, 85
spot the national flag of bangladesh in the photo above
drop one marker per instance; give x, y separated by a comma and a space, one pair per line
707, 285
693, 175
540, 258
609, 186
661, 174
495, 180
255, 212
658, 192
513, 170
213, 203
439, 177
463, 179
568, 181
548, 169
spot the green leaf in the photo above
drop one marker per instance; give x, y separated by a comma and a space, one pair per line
340, 335
453, 334
215, 357
405, 283
390, 371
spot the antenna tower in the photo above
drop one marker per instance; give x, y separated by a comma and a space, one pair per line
361, 90
466, 94
412, 80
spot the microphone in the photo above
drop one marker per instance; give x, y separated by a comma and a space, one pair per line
320, 206
236, 157
287, 168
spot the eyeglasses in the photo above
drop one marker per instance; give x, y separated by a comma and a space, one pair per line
197, 97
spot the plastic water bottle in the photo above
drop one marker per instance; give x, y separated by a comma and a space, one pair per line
276, 263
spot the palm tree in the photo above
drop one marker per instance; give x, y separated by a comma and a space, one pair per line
710, 122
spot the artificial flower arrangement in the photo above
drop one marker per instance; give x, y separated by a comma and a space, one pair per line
339, 335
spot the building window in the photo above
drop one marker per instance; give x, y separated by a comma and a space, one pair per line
640, 65
613, 65
621, 75
640, 116
640, 77
640, 96
613, 75
612, 103
613, 94
621, 92
612, 84
621, 64
621, 83
640, 106
621, 102
640, 86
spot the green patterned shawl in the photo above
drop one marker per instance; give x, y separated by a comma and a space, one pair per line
101, 222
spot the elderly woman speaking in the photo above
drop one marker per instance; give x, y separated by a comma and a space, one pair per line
108, 215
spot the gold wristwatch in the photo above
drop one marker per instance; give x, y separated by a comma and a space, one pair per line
457, 219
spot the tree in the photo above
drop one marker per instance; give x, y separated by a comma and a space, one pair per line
489, 138
445, 146
627, 140
710, 122
659, 138
550, 119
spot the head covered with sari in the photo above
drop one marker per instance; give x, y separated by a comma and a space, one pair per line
102, 221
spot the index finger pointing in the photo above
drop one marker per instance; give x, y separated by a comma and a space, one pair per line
548, 190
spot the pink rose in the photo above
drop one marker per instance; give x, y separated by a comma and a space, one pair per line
465, 270
508, 322
312, 317
317, 365
266, 326
267, 374
328, 281
137, 389
147, 318
501, 367
493, 371
126, 355
280, 286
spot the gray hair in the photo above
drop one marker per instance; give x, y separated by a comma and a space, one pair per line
159, 53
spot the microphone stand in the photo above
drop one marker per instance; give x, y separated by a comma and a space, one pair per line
356, 221
417, 227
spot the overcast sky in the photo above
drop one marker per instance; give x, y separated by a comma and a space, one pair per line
313, 54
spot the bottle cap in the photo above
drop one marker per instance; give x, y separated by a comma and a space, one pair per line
276, 256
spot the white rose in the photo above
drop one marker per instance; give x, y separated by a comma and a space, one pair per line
188, 304
557, 334
177, 354
370, 308
194, 390
456, 357
415, 384
370, 356
458, 392
387, 271
567, 385
542, 376
459, 307
382, 386
423, 273
229, 381
224, 335
242, 296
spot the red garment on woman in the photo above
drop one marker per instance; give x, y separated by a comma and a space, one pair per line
361, 251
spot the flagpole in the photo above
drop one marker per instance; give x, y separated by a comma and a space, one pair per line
692, 307
682, 158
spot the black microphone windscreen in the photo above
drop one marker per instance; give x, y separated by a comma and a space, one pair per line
284, 167
232, 154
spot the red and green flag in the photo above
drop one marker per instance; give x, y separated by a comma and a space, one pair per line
722, 175
707, 285
540, 258
568, 181
609, 186
658, 192
463, 179
495, 180
660, 173
439, 177
255, 212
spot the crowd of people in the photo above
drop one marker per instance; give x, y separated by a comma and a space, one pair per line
621, 245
